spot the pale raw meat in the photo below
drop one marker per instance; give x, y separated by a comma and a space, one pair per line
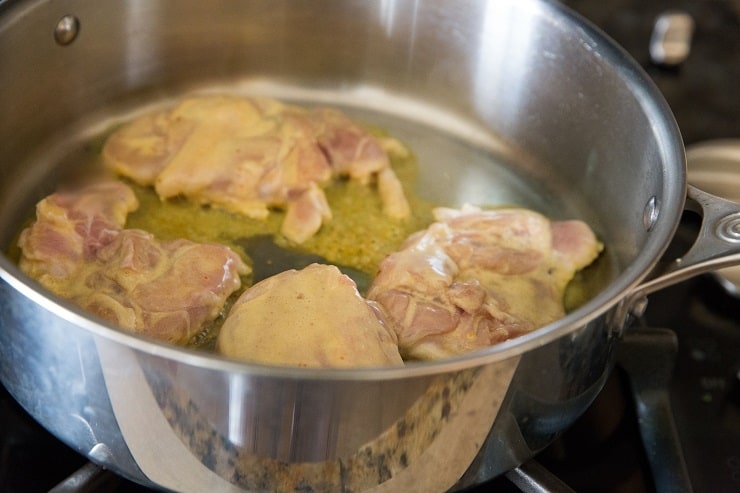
78, 249
313, 317
305, 213
71, 227
249, 155
166, 290
476, 278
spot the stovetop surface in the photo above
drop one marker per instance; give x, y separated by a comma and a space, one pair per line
702, 92
705, 389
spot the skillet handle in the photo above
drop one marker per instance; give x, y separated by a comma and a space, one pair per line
716, 246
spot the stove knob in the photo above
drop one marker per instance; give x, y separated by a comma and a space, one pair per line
670, 42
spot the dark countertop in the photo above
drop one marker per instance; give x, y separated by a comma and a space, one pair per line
704, 93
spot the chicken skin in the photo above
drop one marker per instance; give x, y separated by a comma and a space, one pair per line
251, 155
78, 249
479, 277
312, 317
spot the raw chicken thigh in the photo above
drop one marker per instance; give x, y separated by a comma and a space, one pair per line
78, 249
312, 317
71, 226
248, 155
478, 277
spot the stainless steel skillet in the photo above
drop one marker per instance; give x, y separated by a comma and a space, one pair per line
503, 101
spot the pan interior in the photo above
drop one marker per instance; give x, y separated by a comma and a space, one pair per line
458, 161
503, 103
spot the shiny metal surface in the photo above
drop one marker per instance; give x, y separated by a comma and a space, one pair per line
531, 477
66, 30
510, 101
714, 166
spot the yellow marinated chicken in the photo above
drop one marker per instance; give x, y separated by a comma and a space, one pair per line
479, 277
79, 250
248, 155
312, 317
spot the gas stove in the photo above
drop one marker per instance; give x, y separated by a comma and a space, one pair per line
668, 419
